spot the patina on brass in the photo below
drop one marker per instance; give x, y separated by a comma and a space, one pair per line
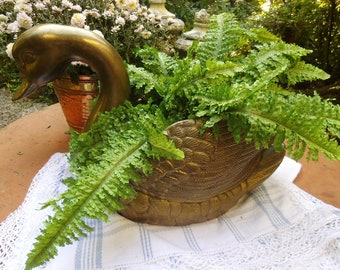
44, 51
215, 173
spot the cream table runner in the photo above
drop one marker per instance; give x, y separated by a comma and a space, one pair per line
277, 226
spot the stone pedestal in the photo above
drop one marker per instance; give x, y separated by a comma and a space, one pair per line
201, 25
159, 6
169, 20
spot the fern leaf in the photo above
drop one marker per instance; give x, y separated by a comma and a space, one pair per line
224, 33
268, 51
104, 180
271, 56
142, 79
305, 72
272, 116
160, 145
229, 38
226, 68
262, 35
157, 62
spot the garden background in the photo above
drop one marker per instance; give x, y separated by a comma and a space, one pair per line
312, 24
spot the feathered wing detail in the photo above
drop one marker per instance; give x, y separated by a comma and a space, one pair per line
216, 172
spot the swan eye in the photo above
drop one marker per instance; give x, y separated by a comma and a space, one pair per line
28, 57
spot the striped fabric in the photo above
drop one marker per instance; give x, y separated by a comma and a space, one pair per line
277, 226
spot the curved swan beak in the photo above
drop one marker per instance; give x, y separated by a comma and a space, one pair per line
24, 90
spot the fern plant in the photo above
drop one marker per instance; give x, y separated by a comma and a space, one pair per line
237, 75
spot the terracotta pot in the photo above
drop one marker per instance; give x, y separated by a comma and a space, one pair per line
75, 99
214, 175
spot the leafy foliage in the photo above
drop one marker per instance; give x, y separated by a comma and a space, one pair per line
266, 109
185, 9
242, 79
104, 160
227, 37
312, 24
241, 75
126, 25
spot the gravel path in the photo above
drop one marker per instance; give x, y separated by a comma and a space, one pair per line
11, 111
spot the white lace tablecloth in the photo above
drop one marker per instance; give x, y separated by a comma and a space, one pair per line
278, 226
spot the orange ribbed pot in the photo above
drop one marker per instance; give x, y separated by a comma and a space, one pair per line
76, 99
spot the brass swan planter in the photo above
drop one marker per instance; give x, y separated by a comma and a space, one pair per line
215, 173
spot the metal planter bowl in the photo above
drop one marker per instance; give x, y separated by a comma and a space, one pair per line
214, 175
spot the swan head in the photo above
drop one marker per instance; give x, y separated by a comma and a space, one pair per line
44, 51
37, 65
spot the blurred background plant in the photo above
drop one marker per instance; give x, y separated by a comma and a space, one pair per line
186, 10
129, 24
312, 24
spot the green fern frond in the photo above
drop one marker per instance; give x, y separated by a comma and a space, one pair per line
142, 79
288, 119
223, 38
222, 70
270, 56
305, 72
157, 62
228, 38
103, 180
267, 52
262, 35
160, 145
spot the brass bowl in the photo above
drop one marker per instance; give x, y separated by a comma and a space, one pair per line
214, 175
